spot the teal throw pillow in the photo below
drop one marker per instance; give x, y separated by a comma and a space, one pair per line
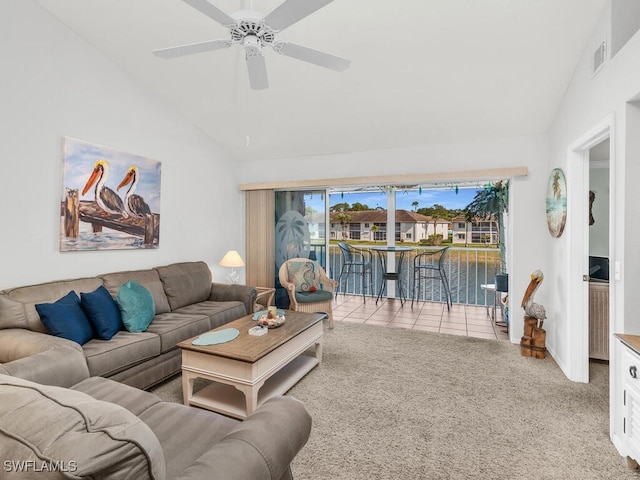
102, 311
136, 306
66, 319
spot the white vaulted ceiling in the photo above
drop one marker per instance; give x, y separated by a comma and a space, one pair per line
422, 71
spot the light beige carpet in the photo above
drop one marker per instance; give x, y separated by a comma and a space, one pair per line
404, 404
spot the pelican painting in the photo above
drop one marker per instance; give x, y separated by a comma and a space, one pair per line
532, 309
134, 204
107, 199
96, 217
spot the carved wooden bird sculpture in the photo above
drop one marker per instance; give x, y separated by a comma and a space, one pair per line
532, 309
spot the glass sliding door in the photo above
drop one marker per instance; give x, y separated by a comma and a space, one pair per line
300, 231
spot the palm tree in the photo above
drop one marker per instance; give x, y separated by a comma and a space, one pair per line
374, 229
344, 219
438, 212
414, 204
492, 202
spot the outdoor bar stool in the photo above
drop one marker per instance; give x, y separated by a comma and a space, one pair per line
491, 289
355, 261
430, 265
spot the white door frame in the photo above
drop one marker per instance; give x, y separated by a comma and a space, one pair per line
577, 310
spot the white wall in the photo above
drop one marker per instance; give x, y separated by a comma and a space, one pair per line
527, 203
625, 20
588, 102
53, 84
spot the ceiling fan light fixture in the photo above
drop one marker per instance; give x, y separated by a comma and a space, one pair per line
252, 46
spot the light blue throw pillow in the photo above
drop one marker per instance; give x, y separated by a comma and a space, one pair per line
136, 306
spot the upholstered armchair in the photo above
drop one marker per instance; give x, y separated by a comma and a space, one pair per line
309, 288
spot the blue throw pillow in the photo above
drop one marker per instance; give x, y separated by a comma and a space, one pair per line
102, 311
66, 319
136, 306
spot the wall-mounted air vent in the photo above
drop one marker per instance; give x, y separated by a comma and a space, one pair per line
599, 57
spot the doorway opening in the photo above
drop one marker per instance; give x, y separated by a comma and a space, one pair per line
578, 232
599, 228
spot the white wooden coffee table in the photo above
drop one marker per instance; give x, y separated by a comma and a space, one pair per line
249, 370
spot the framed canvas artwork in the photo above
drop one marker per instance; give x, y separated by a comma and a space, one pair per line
110, 199
556, 202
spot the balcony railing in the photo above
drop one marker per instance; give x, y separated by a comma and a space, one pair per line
466, 268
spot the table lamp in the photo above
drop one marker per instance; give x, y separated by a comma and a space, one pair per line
232, 259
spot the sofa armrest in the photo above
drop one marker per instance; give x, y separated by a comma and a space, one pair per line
261, 447
225, 292
16, 343
62, 367
42, 358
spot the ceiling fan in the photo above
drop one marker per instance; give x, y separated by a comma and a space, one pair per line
254, 31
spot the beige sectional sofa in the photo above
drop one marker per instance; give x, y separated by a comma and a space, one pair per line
102, 429
187, 304
65, 411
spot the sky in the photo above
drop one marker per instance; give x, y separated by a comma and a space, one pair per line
448, 198
80, 158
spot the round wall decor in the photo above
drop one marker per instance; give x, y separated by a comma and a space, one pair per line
556, 202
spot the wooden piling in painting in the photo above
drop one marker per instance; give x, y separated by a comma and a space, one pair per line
71, 213
74, 211
149, 229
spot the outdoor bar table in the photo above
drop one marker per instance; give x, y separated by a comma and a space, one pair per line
394, 274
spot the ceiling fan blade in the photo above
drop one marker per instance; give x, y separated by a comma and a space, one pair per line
191, 48
291, 11
257, 72
310, 55
211, 11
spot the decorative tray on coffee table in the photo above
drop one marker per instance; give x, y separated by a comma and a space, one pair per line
262, 317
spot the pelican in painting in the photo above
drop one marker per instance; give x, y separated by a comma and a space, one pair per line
134, 204
107, 199
532, 309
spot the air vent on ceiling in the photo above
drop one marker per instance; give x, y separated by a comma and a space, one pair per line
599, 57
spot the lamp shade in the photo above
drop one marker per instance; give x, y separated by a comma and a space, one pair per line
232, 259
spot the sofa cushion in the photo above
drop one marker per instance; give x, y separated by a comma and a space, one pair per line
107, 357
102, 311
219, 312
67, 428
12, 313
175, 327
65, 318
136, 306
172, 423
131, 398
185, 283
313, 297
26, 298
149, 279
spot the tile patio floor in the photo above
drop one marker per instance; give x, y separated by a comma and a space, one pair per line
468, 320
